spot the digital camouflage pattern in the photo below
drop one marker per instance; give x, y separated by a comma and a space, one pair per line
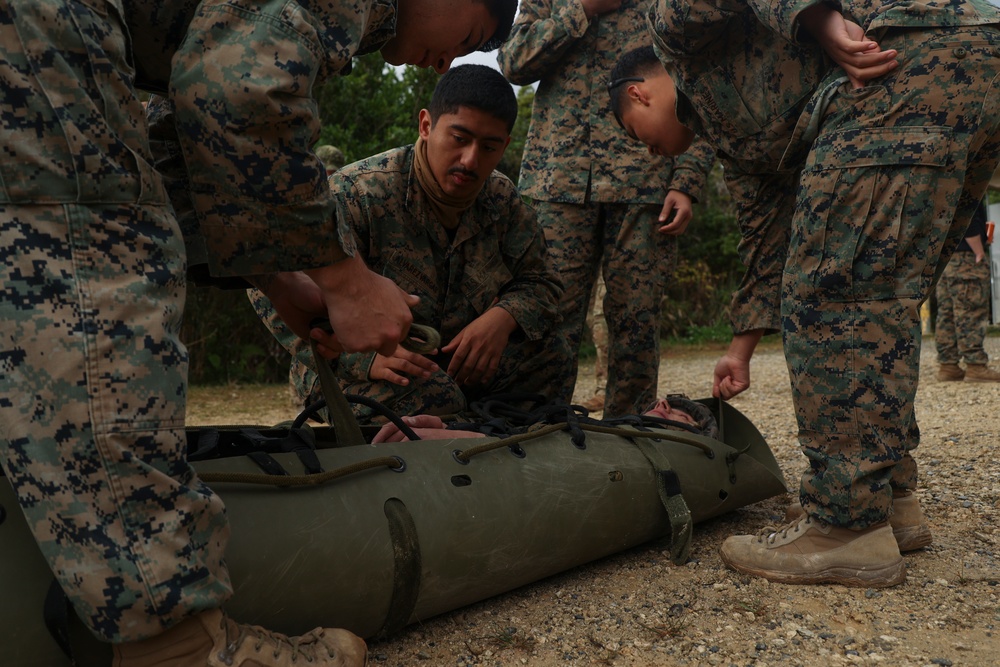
634, 272
598, 193
893, 173
963, 298
497, 258
575, 151
753, 102
256, 205
92, 373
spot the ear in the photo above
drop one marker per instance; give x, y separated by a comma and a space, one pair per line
637, 94
424, 124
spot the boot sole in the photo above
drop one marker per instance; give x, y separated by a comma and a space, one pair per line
881, 577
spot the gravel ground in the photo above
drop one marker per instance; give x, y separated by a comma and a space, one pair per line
636, 608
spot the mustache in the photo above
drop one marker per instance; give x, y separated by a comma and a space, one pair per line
463, 172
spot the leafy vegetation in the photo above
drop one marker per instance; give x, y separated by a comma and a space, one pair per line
375, 109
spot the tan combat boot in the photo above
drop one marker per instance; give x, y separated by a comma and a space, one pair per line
212, 639
907, 521
981, 373
950, 373
811, 551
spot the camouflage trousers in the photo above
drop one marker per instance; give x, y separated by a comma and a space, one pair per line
622, 241
963, 297
598, 326
887, 191
765, 210
526, 367
92, 374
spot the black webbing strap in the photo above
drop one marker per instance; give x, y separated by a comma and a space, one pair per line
300, 441
56, 614
406, 567
267, 463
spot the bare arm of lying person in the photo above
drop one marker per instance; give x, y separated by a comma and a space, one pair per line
430, 427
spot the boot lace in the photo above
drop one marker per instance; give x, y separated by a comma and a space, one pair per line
770, 534
262, 639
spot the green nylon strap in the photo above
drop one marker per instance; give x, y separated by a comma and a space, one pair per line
345, 425
669, 487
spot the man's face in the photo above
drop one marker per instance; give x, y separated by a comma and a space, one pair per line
432, 33
650, 116
664, 410
463, 148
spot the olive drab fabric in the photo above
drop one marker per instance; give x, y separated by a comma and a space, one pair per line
92, 374
496, 259
598, 192
890, 176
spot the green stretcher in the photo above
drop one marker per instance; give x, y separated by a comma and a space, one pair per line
373, 538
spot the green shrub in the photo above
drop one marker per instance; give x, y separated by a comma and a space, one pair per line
227, 342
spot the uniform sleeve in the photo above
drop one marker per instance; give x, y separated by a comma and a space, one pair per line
532, 294
246, 121
349, 207
691, 169
782, 16
543, 32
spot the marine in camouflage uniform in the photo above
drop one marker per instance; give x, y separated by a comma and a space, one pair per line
963, 308
496, 258
93, 374
891, 174
598, 194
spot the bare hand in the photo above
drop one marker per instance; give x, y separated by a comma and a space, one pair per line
732, 376
296, 299
427, 427
400, 366
368, 312
477, 348
845, 42
681, 207
594, 8
732, 372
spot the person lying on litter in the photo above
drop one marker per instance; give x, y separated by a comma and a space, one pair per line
432, 427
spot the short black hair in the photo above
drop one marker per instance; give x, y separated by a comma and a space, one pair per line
503, 11
632, 66
478, 87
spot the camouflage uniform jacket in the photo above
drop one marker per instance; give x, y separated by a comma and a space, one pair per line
757, 82
758, 94
247, 122
498, 251
574, 145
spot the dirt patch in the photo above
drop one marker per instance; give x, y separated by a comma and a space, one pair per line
635, 608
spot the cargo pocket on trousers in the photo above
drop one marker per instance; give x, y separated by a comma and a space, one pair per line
866, 214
